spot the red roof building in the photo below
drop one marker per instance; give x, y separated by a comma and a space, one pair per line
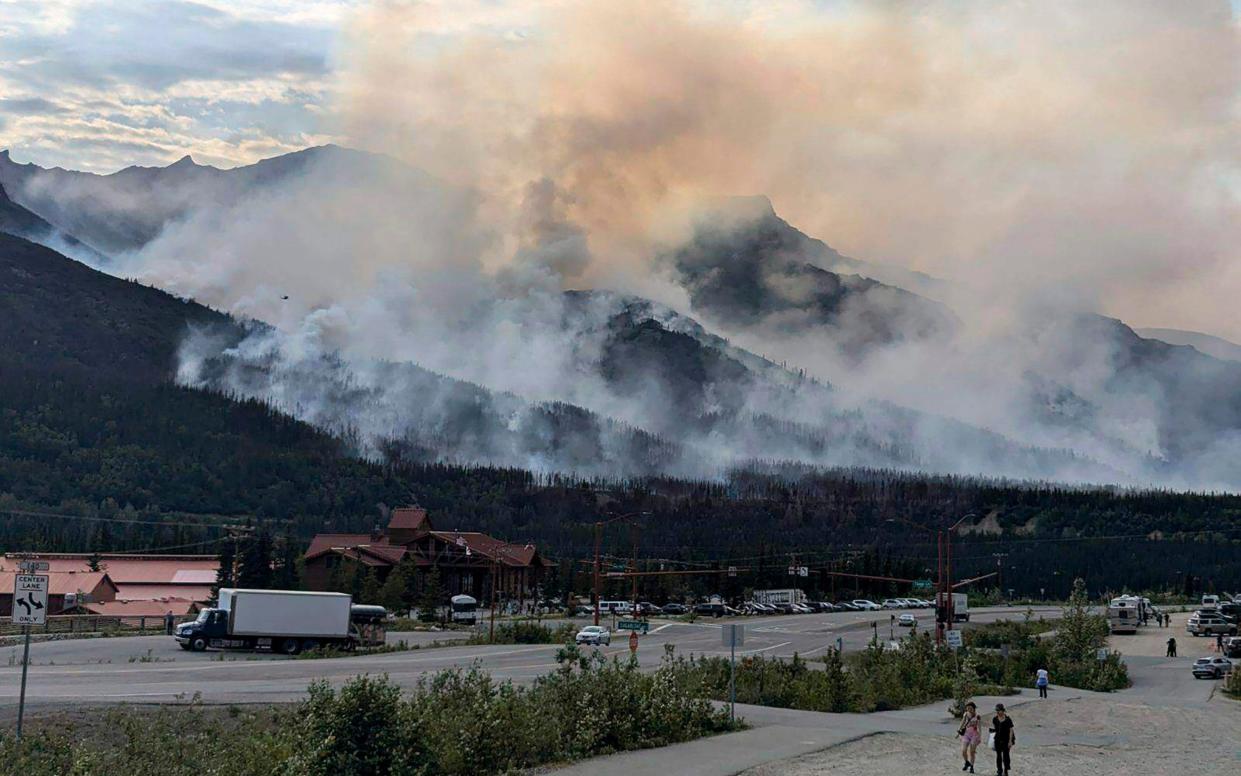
466, 560
139, 577
65, 589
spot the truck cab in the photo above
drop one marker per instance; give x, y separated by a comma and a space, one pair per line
211, 625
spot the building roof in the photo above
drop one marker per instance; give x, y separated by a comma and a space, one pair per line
147, 608
141, 592
138, 569
64, 582
491, 547
322, 543
409, 519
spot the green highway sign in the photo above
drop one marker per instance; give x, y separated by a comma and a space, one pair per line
633, 625
922, 584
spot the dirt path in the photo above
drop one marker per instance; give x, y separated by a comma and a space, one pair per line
1084, 737
1152, 641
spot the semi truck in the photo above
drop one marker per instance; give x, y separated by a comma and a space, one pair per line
960, 607
286, 621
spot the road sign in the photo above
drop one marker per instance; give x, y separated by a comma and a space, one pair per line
30, 599
33, 566
922, 584
633, 625
954, 639
732, 571
633, 641
733, 635
1101, 654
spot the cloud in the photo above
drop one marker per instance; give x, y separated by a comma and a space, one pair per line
147, 82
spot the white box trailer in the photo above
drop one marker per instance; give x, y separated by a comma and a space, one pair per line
286, 613
779, 597
286, 621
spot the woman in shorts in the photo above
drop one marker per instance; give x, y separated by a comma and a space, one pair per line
971, 735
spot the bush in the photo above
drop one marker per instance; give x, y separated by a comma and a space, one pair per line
525, 632
454, 722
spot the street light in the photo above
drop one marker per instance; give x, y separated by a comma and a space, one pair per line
599, 524
943, 551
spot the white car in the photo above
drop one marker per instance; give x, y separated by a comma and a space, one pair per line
893, 603
594, 634
866, 606
1212, 667
907, 620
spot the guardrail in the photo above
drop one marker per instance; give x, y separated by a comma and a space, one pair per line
93, 623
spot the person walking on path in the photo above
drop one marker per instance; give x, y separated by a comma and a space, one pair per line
1005, 740
1041, 683
1172, 647
970, 732
1219, 643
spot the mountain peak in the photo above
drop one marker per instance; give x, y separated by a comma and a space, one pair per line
185, 161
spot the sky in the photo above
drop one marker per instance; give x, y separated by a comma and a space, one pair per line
1035, 141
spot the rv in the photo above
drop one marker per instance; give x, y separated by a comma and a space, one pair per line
1124, 614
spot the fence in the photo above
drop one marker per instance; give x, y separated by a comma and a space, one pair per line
92, 623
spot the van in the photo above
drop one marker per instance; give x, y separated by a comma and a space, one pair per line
1210, 601
616, 607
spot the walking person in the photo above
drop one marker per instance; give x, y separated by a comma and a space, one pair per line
1219, 643
1172, 647
1041, 682
970, 732
1005, 740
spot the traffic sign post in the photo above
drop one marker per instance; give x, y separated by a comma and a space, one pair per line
633, 643
29, 608
733, 636
633, 625
954, 639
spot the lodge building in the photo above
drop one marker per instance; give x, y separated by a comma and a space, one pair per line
466, 561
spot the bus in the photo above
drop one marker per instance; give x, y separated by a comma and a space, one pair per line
464, 609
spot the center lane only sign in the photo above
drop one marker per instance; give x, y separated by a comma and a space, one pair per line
30, 599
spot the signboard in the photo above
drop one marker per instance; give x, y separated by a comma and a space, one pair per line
633, 641
633, 625
33, 566
732, 571
922, 584
732, 635
30, 599
954, 639
1101, 654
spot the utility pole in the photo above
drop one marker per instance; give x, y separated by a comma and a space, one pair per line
633, 537
598, 547
491, 633
999, 570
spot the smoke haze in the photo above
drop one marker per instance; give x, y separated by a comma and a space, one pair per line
1043, 161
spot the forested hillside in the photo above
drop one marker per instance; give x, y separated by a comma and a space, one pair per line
92, 425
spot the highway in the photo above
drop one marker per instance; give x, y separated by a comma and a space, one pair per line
153, 669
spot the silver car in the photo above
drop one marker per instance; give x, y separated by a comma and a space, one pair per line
596, 635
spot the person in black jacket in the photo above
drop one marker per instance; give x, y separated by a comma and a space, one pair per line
1005, 739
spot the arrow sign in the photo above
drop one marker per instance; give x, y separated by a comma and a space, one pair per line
30, 599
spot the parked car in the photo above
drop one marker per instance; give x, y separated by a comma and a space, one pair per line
713, 610
1232, 646
864, 605
1212, 667
824, 606
596, 635
801, 609
1210, 601
1230, 610
646, 609
907, 620
1208, 623
676, 609
893, 603
846, 606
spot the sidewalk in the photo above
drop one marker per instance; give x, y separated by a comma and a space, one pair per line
780, 734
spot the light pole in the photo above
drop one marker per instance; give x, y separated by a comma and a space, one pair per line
943, 553
599, 524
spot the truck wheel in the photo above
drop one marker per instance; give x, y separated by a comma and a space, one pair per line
198, 644
290, 646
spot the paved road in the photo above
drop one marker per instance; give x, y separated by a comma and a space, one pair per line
154, 669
